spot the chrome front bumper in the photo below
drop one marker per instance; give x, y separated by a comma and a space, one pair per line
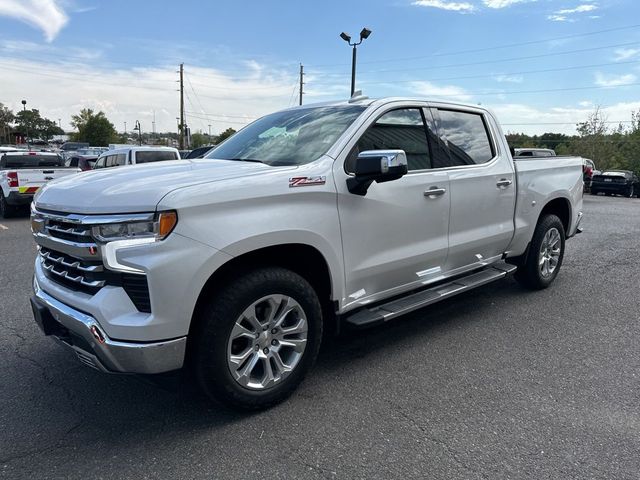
83, 334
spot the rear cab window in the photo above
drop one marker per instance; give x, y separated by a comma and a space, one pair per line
155, 156
30, 161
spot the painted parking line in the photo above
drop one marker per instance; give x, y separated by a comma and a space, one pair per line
3, 227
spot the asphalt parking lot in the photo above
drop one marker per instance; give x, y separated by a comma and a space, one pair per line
498, 383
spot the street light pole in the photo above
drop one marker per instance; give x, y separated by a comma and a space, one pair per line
364, 34
26, 125
137, 127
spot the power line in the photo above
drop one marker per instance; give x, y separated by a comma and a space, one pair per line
484, 49
485, 62
525, 72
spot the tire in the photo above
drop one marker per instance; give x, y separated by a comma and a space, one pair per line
532, 272
6, 210
630, 192
594, 192
227, 342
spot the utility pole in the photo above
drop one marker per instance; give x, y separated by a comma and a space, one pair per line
125, 128
181, 106
301, 82
209, 125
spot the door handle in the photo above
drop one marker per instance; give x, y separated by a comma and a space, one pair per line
504, 183
435, 192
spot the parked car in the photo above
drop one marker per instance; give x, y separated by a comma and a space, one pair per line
616, 182
23, 173
91, 151
535, 152
135, 155
68, 149
199, 152
588, 169
83, 162
348, 214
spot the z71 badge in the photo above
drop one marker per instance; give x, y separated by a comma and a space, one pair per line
307, 181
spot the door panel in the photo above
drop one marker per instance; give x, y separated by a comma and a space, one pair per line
482, 183
395, 237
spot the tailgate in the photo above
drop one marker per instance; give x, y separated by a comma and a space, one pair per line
29, 181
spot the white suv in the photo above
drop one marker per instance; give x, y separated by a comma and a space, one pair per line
134, 155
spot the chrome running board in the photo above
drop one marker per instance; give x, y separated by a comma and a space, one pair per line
403, 305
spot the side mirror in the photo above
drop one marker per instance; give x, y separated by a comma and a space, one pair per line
376, 165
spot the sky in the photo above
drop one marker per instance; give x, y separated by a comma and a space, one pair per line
541, 65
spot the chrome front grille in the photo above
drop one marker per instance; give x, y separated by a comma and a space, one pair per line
66, 231
71, 257
70, 270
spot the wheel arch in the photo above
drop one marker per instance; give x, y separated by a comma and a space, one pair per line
303, 259
560, 207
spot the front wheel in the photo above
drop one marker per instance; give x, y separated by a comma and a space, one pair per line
545, 255
257, 338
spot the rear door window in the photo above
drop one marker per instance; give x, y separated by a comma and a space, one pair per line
466, 136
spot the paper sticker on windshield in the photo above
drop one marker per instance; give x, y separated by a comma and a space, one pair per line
307, 181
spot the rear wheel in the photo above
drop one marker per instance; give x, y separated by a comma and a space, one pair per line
545, 255
257, 338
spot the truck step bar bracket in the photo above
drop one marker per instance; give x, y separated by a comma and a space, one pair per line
400, 306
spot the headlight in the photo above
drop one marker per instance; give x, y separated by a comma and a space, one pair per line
155, 230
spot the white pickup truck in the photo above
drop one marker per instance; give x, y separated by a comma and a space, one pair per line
341, 214
23, 173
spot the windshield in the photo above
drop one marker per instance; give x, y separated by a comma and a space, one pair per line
290, 137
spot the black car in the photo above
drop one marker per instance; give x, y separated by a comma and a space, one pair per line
620, 182
199, 152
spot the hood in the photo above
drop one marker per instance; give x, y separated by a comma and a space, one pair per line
136, 188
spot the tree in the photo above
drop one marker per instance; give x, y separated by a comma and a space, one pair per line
6, 119
199, 140
94, 128
224, 135
29, 122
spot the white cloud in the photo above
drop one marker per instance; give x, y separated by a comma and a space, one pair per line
214, 97
565, 14
579, 9
463, 7
516, 117
503, 3
47, 15
625, 53
450, 92
509, 78
614, 80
